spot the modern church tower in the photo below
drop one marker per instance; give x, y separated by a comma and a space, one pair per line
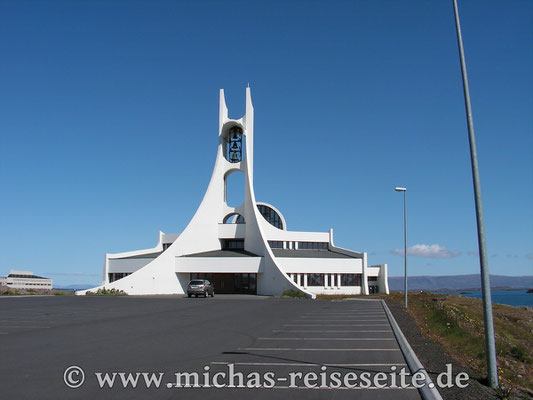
243, 249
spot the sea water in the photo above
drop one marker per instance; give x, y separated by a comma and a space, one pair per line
514, 298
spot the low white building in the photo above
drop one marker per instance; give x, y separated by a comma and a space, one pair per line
243, 249
25, 280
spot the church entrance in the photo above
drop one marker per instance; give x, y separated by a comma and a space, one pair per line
230, 283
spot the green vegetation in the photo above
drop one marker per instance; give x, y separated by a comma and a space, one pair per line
456, 323
9, 291
293, 294
107, 292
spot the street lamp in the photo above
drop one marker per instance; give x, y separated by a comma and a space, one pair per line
404, 190
490, 344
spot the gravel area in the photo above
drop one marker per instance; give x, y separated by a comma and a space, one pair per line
434, 359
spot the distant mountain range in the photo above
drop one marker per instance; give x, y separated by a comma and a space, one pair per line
457, 282
79, 286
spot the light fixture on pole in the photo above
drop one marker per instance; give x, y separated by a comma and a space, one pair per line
404, 190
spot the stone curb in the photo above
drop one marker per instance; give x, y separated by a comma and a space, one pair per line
428, 391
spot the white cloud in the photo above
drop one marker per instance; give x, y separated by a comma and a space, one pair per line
428, 251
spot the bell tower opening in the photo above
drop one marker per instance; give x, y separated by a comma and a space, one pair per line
234, 144
234, 188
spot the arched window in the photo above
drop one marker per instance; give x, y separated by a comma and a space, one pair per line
271, 216
234, 219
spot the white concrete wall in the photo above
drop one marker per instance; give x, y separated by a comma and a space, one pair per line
220, 265
235, 231
128, 265
273, 233
321, 265
380, 271
169, 237
183, 280
343, 290
332, 285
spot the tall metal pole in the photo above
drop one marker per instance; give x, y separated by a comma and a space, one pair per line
490, 347
405, 247
404, 190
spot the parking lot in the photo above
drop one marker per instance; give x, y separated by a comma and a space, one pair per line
271, 348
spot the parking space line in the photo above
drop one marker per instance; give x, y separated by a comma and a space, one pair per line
325, 314
329, 331
340, 318
320, 316
25, 326
277, 338
343, 388
309, 349
344, 320
318, 329
336, 325
281, 364
7, 321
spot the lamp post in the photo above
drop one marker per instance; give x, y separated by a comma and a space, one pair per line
404, 190
490, 345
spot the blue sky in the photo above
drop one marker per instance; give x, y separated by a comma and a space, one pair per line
109, 118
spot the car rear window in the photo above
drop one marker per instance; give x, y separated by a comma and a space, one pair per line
196, 282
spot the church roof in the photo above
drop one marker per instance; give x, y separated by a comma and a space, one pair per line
224, 253
285, 253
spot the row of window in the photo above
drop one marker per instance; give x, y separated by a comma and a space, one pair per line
280, 244
277, 244
232, 244
115, 276
320, 280
26, 279
312, 245
28, 284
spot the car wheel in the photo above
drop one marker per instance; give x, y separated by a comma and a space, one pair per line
189, 295
213, 293
196, 295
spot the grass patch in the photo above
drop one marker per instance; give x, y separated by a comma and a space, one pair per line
441, 323
9, 291
293, 294
456, 323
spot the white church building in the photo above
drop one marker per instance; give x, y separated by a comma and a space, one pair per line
243, 249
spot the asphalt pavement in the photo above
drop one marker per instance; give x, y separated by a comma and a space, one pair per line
250, 346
